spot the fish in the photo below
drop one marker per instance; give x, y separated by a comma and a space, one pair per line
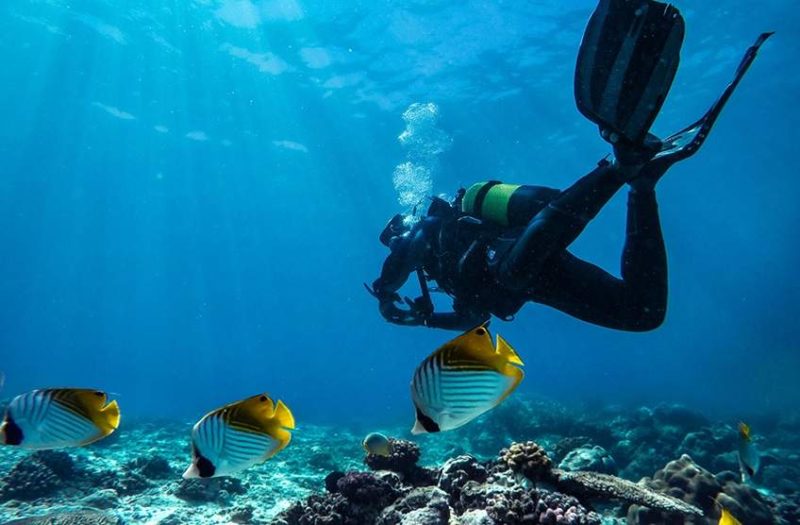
749, 458
463, 379
59, 417
377, 444
239, 435
727, 518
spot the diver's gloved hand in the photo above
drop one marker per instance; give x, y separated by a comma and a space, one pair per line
387, 304
422, 306
394, 314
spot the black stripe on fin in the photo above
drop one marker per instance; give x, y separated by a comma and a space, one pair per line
205, 469
427, 423
13, 434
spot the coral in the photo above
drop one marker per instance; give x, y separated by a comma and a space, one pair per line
155, 467
70, 518
31, 478
458, 471
125, 482
593, 485
475, 517
209, 490
568, 444
60, 463
522, 507
366, 489
528, 459
403, 458
691, 483
594, 459
705, 444
244, 515
330, 509
102, 499
787, 509
424, 505
332, 479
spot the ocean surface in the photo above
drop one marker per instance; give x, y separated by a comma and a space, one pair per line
191, 194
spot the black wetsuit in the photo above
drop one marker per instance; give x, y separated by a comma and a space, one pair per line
492, 270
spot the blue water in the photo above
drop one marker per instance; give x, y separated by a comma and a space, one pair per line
191, 193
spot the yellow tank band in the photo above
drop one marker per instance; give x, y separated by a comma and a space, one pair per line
468, 202
495, 205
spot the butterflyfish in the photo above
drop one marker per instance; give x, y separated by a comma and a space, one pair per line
58, 417
377, 444
749, 458
726, 518
238, 436
463, 379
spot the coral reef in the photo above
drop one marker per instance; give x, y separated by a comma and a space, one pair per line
684, 479
403, 460
36, 476
209, 490
70, 518
586, 458
454, 478
403, 457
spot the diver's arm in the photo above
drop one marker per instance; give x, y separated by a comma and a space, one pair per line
461, 321
404, 259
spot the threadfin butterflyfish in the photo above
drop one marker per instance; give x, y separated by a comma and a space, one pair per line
726, 518
239, 435
463, 379
377, 444
749, 458
58, 417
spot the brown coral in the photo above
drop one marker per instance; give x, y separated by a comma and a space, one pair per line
528, 459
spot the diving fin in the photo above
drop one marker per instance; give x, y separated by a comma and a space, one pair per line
626, 64
687, 142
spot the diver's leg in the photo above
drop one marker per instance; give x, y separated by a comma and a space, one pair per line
558, 225
638, 301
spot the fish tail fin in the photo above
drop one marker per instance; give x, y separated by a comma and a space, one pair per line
283, 437
112, 416
505, 350
283, 416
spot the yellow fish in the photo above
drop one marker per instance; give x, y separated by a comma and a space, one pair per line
727, 518
58, 417
239, 435
377, 444
463, 379
749, 458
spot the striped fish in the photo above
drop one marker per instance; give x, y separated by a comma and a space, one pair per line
239, 435
463, 379
58, 417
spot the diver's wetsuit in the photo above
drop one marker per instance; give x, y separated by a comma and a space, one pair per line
486, 273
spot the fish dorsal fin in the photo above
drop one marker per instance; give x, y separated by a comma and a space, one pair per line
727, 518
744, 431
475, 342
89, 404
506, 351
258, 414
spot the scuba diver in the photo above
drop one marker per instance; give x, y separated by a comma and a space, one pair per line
498, 246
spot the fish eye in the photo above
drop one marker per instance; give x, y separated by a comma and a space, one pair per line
99, 393
263, 398
480, 331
